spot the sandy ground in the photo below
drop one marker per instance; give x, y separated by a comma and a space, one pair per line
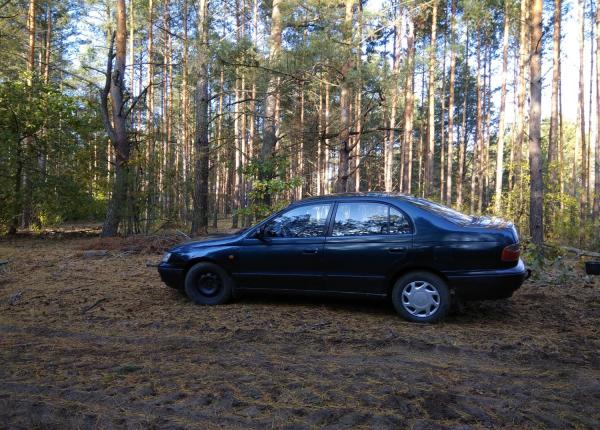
145, 357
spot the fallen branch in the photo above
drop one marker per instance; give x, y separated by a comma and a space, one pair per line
89, 308
581, 252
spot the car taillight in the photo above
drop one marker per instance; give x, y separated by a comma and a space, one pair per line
511, 252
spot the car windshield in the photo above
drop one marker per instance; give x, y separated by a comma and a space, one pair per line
443, 211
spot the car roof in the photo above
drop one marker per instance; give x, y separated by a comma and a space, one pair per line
357, 196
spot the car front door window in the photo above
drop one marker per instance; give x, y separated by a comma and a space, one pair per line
301, 222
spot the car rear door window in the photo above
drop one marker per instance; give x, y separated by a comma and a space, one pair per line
303, 221
362, 219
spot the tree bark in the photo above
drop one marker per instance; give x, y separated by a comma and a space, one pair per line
270, 121
409, 105
200, 211
390, 141
345, 100
581, 138
476, 178
521, 93
536, 226
449, 162
596, 209
553, 166
501, 125
430, 149
116, 125
26, 168
463, 139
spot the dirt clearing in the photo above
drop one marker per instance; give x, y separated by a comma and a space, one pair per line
99, 342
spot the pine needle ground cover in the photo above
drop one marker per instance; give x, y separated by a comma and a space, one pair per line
98, 342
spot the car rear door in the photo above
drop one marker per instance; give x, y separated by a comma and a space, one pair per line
367, 242
290, 255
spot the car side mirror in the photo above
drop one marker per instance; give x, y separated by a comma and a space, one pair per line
260, 233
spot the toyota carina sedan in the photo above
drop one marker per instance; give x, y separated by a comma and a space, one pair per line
419, 254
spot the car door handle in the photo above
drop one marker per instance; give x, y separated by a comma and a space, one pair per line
397, 250
310, 251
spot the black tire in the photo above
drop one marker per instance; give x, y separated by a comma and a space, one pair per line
208, 284
439, 291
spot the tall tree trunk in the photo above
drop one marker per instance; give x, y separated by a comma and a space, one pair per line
358, 106
200, 213
536, 225
270, 121
150, 144
449, 162
501, 125
390, 141
48, 48
185, 101
116, 125
476, 178
581, 115
596, 209
345, 100
430, 149
521, 93
463, 139
27, 171
553, 166
409, 104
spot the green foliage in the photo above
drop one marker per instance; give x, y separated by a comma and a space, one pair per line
269, 186
46, 137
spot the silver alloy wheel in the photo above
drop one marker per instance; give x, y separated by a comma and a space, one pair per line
420, 299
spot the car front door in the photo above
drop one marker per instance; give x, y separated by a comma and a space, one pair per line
289, 253
367, 243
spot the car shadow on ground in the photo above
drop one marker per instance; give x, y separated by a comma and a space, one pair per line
466, 312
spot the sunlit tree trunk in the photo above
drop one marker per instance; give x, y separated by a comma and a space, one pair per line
409, 105
581, 138
151, 144
596, 209
463, 139
521, 94
553, 137
430, 148
536, 226
501, 125
27, 171
449, 162
389, 142
476, 178
116, 123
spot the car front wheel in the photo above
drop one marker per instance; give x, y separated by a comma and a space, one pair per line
421, 297
208, 284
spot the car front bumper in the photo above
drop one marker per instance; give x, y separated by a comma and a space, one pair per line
489, 284
171, 275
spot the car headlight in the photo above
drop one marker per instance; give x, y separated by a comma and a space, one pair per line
166, 257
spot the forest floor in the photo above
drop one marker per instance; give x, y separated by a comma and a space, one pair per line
100, 342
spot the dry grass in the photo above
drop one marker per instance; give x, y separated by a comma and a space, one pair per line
145, 357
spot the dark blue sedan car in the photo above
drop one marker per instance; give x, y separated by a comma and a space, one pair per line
420, 254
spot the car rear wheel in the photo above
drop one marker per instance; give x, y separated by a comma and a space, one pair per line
208, 284
421, 297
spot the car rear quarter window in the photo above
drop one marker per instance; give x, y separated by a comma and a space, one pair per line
363, 219
398, 222
443, 211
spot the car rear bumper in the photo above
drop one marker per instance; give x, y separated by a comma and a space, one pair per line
170, 275
488, 284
